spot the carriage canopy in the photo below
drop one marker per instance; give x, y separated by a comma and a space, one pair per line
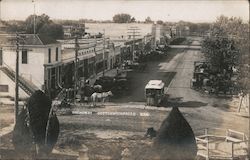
155, 84
154, 92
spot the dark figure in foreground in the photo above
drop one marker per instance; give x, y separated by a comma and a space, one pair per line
151, 132
39, 121
175, 139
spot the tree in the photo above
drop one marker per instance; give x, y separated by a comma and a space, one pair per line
122, 18
221, 53
148, 20
14, 26
52, 30
132, 19
228, 44
44, 26
159, 22
39, 21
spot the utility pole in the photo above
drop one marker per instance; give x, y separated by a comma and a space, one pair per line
103, 52
76, 67
33, 1
17, 78
95, 44
133, 31
0, 10
248, 89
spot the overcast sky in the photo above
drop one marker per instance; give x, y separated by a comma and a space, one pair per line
166, 10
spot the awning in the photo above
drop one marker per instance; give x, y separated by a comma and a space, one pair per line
68, 58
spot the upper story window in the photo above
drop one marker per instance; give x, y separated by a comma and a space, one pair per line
49, 55
24, 57
56, 53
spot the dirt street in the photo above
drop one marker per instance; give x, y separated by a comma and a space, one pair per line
107, 130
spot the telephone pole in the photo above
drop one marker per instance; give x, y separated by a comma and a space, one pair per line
76, 67
17, 78
103, 52
0, 11
248, 89
134, 32
33, 1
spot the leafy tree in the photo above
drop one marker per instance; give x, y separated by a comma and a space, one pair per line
14, 26
228, 44
39, 21
122, 18
159, 22
132, 19
148, 20
52, 30
221, 53
44, 26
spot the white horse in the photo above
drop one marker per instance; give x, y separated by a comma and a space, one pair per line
95, 97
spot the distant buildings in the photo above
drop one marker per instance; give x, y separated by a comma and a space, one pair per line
3, 27
163, 32
71, 30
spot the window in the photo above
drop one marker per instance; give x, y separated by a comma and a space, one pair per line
49, 56
24, 57
56, 53
4, 88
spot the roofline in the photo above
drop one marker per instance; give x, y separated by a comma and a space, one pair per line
39, 39
35, 46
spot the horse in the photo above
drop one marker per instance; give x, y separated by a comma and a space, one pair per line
100, 96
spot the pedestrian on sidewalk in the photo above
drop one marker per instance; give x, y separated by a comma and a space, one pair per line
117, 70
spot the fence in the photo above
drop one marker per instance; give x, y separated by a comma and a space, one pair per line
233, 144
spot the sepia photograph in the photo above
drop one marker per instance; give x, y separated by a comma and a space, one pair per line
124, 80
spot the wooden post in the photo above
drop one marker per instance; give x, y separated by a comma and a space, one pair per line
206, 131
103, 63
248, 91
83, 153
232, 154
241, 99
34, 21
76, 67
16, 78
0, 11
207, 148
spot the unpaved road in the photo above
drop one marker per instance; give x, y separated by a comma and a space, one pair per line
108, 134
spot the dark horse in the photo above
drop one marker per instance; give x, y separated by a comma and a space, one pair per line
37, 123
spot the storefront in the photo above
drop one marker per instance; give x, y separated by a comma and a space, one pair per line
52, 78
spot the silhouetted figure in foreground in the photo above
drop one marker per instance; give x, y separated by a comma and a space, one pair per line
33, 122
175, 139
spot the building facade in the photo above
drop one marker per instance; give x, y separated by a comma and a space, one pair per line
39, 64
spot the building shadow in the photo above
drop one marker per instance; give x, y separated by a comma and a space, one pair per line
178, 102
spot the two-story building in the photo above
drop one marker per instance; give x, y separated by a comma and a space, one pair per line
39, 64
93, 57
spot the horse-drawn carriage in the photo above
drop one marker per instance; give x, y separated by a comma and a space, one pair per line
208, 78
117, 84
154, 92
